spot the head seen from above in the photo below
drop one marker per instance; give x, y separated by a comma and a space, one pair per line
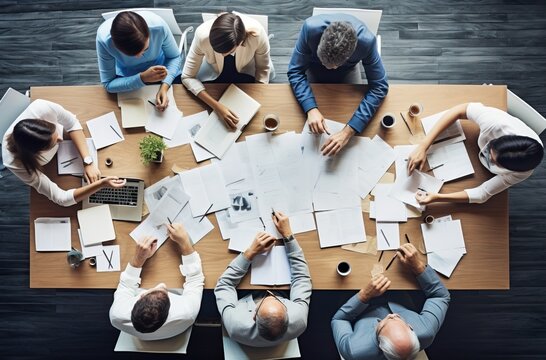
337, 44
227, 33
130, 33
151, 310
396, 338
516, 153
271, 317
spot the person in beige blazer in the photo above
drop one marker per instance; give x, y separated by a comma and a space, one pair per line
235, 49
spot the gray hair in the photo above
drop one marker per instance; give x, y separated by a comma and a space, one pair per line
272, 327
337, 43
390, 351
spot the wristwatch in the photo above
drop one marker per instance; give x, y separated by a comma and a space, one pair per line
88, 160
289, 238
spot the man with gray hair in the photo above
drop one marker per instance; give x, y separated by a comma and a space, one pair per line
329, 50
265, 318
376, 326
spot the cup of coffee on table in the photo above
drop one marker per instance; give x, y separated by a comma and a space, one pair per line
271, 122
343, 268
388, 121
415, 109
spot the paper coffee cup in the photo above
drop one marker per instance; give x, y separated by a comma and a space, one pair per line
343, 268
388, 121
415, 109
429, 219
271, 122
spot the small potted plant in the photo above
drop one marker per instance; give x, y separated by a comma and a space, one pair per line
151, 149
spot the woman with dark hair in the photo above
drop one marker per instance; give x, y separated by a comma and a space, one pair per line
32, 141
135, 50
508, 148
235, 49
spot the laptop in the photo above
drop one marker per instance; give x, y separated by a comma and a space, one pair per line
125, 203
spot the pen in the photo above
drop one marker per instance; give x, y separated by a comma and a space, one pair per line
69, 160
273, 213
150, 101
108, 259
67, 164
407, 238
115, 132
436, 167
392, 260
205, 214
380, 256
421, 189
405, 122
263, 224
170, 222
385, 237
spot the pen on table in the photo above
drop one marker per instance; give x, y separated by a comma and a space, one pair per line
382, 233
436, 167
380, 256
69, 160
407, 238
205, 214
115, 132
405, 122
263, 224
392, 260
151, 102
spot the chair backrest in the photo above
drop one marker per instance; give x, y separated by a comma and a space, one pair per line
523, 111
235, 351
262, 19
165, 14
174, 345
370, 18
13, 103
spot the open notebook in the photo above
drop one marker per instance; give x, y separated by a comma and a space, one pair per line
214, 135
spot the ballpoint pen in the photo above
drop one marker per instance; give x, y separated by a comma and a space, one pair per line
69, 160
436, 167
380, 256
384, 237
392, 260
205, 214
405, 122
116, 132
263, 224
170, 222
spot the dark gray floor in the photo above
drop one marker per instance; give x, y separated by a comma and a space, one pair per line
470, 42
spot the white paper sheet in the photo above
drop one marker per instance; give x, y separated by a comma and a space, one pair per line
133, 112
68, 151
154, 192
241, 238
443, 235
392, 233
91, 250
401, 163
340, 227
96, 225
112, 251
194, 123
271, 268
373, 164
170, 205
453, 131
105, 130
235, 164
445, 261
453, 159
405, 191
52, 234
388, 208
164, 123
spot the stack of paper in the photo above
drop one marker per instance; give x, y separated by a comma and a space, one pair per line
52, 234
340, 227
444, 243
105, 130
69, 160
214, 135
96, 225
406, 191
271, 268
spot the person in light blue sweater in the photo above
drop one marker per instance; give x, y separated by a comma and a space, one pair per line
137, 49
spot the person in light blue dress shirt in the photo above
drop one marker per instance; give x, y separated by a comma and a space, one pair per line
137, 49
329, 50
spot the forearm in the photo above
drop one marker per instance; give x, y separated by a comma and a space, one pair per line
87, 190
123, 84
456, 197
449, 118
207, 99
79, 141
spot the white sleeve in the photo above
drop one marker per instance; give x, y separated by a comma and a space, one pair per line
45, 186
125, 297
475, 113
493, 186
193, 286
63, 116
191, 67
262, 58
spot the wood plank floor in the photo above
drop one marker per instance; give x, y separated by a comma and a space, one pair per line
52, 42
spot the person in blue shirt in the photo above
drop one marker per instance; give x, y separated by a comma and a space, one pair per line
137, 49
328, 50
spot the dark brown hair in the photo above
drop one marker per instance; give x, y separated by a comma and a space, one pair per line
150, 312
29, 137
227, 32
517, 153
129, 32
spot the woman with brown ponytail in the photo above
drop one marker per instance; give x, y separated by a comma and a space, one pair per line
32, 141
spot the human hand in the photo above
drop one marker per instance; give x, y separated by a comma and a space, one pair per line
161, 98
336, 142
425, 198
316, 122
113, 182
145, 249
229, 117
179, 235
416, 159
407, 254
262, 242
282, 223
154, 74
376, 287
91, 173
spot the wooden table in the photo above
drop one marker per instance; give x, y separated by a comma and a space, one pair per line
485, 226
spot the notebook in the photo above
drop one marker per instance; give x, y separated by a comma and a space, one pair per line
96, 225
52, 234
214, 135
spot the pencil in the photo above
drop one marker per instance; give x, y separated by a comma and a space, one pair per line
382, 233
421, 189
115, 132
205, 214
436, 167
392, 260
150, 101
263, 224
405, 122
170, 222
69, 160
407, 238
380, 256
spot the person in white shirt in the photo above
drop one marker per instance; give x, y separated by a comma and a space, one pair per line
157, 313
33, 140
235, 49
508, 148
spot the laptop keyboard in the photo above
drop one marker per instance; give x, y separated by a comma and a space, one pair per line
127, 195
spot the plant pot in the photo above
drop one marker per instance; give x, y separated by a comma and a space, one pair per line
159, 157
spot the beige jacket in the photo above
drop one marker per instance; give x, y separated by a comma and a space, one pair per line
252, 58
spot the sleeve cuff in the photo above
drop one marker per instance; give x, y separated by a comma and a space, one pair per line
132, 271
71, 200
191, 264
309, 104
426, 276
473, 195
357, 124
241, 261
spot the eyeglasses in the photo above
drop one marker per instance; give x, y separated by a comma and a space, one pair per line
269, 293
393, 316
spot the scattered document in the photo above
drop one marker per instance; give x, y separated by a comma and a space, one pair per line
227, 226
378, 156
69, 160
272, 268
235, 164
192, 124
387, 208
405, 191
154, 192
402, 153
163, 123
96, 225
205, 186
444, 243
388, 235
454, 132
214, 135
91, 250
445, 261
105, 130
52, 234
109, 259
241, 238
340, 227
449, 161
170, 205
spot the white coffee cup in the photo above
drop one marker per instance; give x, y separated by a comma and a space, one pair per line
415, 109
429, 219
271, 122
343, 268
388, 121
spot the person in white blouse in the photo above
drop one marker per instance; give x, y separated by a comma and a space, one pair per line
235, 49
33, 140
158, 313
508, 148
